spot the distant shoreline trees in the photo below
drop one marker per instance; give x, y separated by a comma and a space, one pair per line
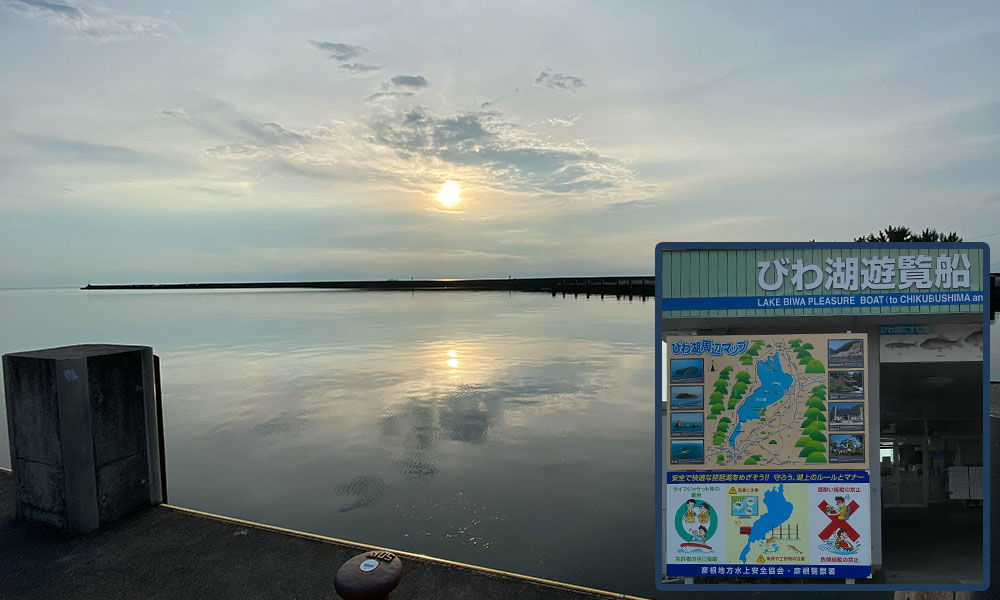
902, 233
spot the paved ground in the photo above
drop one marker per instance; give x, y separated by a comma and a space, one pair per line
932, 545
162, 553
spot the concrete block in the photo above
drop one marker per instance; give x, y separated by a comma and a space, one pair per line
84, 435
39, 381
41, 486
121, 487
117, 410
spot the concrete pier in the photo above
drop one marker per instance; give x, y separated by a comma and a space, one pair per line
167, 552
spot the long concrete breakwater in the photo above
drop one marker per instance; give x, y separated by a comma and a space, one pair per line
634, 285
642, 286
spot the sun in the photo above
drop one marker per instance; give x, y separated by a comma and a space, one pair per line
450, 194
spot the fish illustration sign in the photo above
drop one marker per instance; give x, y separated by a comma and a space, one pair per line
931, 342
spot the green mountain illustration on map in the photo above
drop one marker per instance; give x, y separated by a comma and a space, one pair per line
768, 406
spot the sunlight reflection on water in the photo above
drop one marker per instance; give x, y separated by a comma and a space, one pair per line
508, 430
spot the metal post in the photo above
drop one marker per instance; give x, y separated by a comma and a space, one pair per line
159, 424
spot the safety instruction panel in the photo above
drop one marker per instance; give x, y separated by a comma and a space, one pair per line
787, 524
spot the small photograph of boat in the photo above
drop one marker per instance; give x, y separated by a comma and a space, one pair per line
690, 424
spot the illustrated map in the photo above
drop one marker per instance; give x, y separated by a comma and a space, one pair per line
764, 402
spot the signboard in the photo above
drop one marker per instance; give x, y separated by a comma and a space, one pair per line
765, 402
821, 279
786, 524
931, 343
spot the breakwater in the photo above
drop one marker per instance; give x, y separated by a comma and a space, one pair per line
630, 286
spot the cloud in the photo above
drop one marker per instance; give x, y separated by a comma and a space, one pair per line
416, 81
388, 94
632, 205
222, 119
360, 68
216, 191
93, 21
51, 150
259, 145
339, 51
565, 121
558, 81
508, 157
81, 149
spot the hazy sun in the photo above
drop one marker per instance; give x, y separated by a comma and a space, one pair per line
450, 194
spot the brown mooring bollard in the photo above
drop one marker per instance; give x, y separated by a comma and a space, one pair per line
368, 576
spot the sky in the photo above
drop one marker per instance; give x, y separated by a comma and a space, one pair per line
145, 142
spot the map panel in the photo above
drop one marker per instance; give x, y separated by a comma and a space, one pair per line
765, 402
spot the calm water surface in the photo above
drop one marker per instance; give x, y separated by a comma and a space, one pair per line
507, 430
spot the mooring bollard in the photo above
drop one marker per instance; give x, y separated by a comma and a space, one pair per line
368, 576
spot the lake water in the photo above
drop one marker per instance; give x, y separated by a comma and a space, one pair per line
774, 384
513, 431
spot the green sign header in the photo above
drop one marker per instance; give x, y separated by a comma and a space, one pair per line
813, 279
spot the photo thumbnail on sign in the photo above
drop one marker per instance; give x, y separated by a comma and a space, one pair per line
687, 452
687, 370
687, 425
845, 353
687, 397
847, 385
847, 448
847, 416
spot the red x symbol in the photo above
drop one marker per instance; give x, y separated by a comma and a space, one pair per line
837, 523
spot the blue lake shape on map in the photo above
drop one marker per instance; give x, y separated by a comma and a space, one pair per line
774, 384
779, 509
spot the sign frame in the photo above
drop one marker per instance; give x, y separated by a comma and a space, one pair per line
660, 251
